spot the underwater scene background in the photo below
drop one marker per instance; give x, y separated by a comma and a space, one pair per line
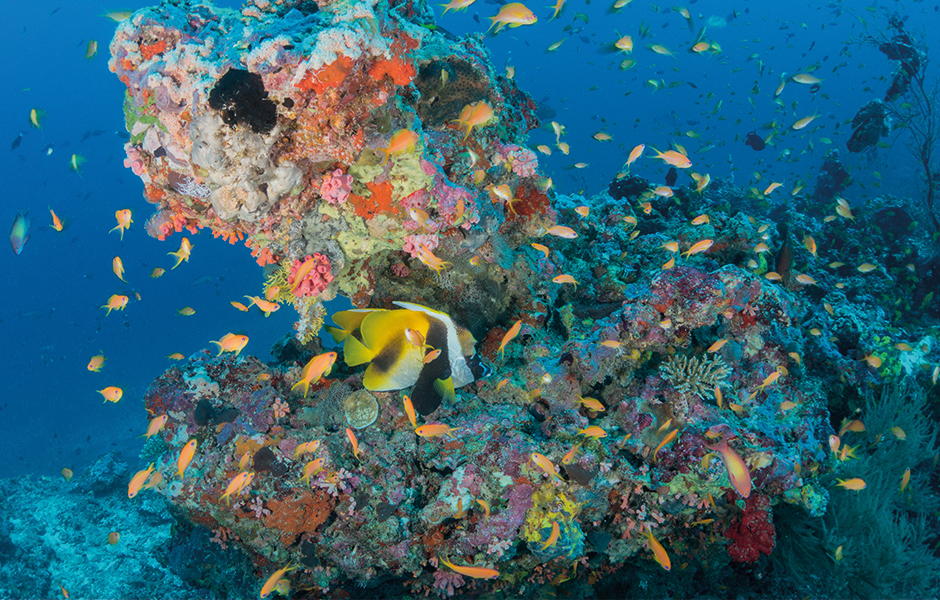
390, 299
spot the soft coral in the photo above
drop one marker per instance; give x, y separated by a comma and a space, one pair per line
753, 533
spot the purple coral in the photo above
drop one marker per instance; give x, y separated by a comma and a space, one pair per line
336, 187
447, 582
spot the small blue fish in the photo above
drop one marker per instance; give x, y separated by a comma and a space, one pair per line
18, 235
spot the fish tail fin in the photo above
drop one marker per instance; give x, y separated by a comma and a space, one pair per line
219, 344
178, 255
445, 387
304, 383
252, 301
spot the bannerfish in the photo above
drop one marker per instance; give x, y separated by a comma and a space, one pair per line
378, 337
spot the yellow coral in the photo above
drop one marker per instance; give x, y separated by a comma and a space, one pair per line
278, 276
549, 504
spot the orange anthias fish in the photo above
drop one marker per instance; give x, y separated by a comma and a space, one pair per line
636, 153
231, 342
312, 468
435, 430
855, 484
56, 221
137, 481
96, 363
473, 115
593, 432
272, 583
671, 436
236, 485
562, 232
474, 572
698, 247
124, 220
351, 435
541, 248
266, 307
738, 472
591, 403
659, 553
18, 237
402, 141
112, 394
431, 260
676, 159
553, 537
510, 335
155, 426
514, 14
183, 253
117, 265
410, 411
565, 278
186, 457
318, 366
545, 463
306, 448
456, 5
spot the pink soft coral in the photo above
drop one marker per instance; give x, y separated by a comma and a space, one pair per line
133, 160
413, 242
336, 187
316, 280
524, 162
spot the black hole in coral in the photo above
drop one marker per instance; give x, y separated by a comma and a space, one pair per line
203, 413
265, 460
241, 98
580, 474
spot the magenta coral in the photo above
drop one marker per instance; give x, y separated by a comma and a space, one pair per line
336, 187
754, 533
316, 279
455, 204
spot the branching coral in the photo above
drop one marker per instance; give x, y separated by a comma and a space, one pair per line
696, 375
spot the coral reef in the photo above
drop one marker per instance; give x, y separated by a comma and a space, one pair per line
333, 144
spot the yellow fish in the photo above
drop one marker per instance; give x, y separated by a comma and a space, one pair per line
514, 14
117, 265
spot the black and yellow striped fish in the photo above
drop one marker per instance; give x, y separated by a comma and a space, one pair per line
378, 337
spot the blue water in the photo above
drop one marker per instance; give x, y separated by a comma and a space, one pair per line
50, 321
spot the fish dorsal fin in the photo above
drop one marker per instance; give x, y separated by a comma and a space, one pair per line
355, 353
348, 322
